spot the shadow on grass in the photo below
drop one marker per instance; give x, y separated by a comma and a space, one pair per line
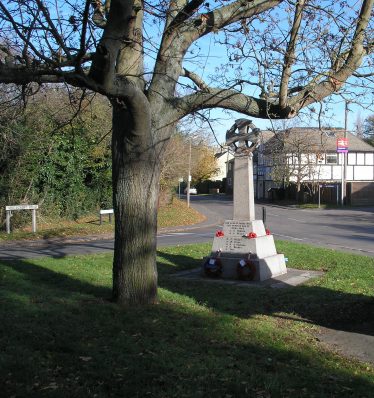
41, 280
313, 304
59, 338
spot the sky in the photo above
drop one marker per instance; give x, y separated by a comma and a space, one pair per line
213, 55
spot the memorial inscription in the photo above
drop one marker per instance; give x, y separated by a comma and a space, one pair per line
233, 244
237, 228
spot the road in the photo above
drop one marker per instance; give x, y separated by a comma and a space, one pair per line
350, 230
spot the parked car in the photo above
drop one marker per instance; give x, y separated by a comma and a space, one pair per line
193, 191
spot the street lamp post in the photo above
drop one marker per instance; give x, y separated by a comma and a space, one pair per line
344, 159
189, 177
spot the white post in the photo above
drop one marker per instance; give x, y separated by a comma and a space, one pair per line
8, 215
342, 183
34, 220
189, 178
344, 171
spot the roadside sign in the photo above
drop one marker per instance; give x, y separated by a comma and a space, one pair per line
342, 145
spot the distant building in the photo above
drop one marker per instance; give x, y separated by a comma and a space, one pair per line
301, 161
222, 158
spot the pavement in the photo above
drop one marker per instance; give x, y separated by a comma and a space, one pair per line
294, 277
349, 344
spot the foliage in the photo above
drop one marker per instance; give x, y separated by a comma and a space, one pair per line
175, 160
52, 155
62, 336
204, 164
369, 130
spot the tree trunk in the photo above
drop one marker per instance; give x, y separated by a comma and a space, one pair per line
135, 195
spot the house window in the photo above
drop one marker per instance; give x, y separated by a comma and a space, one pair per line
369, 159
360, 158
352, 158
331, 158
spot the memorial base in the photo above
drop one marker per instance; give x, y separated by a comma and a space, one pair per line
247, 241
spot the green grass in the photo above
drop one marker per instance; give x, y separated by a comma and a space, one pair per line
174, 214
324, 206
62, 337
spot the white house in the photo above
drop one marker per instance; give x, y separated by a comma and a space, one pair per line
222, 159
306, 160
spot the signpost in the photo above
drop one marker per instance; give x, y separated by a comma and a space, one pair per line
9, 210
342, 147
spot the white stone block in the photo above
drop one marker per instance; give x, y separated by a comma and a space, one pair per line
271, 266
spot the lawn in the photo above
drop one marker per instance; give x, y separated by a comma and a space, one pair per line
62, 337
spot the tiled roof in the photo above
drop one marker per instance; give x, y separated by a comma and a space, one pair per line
316, 139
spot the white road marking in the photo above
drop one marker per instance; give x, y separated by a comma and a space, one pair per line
289, 237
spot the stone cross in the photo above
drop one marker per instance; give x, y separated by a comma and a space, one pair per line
243, 143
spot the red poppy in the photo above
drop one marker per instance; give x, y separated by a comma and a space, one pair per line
267, 231
219, 234
251, 235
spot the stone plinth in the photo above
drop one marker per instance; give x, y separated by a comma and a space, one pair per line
234, 245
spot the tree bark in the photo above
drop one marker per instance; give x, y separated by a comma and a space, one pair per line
135, 196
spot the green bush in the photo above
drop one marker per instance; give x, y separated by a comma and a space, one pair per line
54, 160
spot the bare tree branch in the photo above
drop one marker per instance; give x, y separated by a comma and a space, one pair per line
182, 10
23, 37
52, 28
289, 58
82, 41
117, 28
176, 41
226, 15
336, 80
196, 79
232, 100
